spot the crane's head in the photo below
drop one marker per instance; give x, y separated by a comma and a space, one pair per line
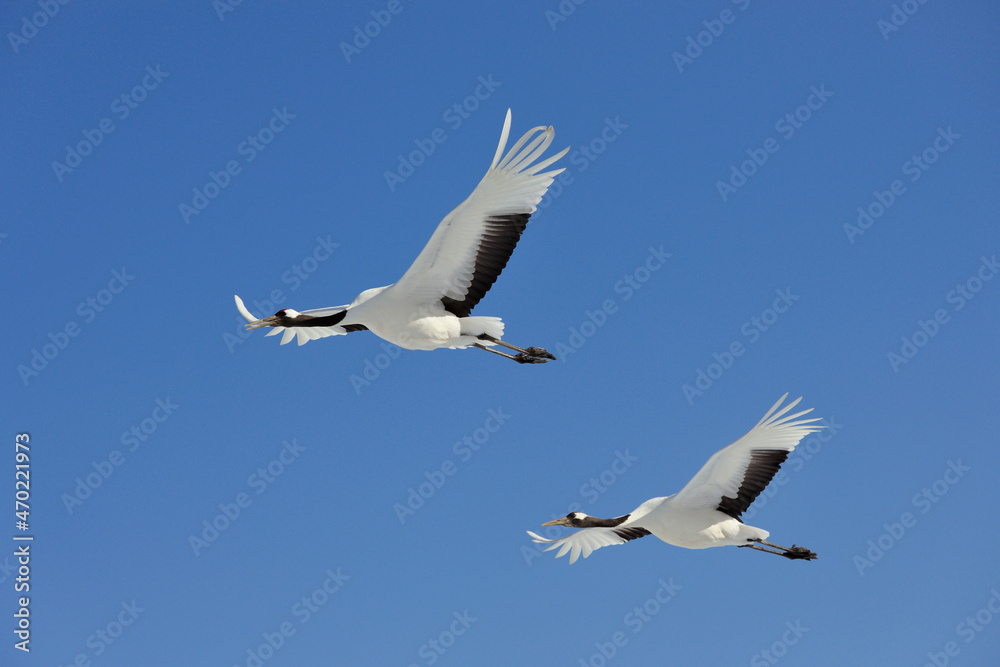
276, 320
573, 519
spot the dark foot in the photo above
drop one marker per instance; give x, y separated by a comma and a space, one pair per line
523, 358
799, 552
793, 553
539, 352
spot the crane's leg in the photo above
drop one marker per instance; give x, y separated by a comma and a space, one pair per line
520, 357
538, 352
792, 552
754, 546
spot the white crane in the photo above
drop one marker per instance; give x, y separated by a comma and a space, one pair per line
706, 512
429, 307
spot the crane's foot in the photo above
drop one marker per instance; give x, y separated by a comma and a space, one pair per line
792, 553
523, 358
525, 355
799, 553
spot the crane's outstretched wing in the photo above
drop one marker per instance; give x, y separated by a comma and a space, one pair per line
586, 540
313, 324
471, 246
735, 475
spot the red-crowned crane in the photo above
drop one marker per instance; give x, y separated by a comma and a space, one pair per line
706, 512
429, 306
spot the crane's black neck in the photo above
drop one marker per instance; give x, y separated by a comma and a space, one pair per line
301, 320
594, 522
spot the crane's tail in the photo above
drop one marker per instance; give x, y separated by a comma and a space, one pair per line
480, 325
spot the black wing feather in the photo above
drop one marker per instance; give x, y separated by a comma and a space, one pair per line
495, 248
325, 321
628, 534
764, 464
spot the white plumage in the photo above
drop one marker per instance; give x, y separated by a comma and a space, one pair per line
429, 306
706, 512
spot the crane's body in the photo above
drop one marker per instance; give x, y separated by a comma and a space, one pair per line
392, 315
430, 306
691, 528
706, 512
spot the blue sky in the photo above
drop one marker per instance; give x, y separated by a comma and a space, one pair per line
757, 200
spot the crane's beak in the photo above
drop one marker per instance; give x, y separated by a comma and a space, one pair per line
266, 322
558, 522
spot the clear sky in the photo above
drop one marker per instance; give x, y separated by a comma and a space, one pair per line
758, 199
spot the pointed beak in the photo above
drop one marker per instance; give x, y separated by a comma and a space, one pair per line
558, 522
266, 322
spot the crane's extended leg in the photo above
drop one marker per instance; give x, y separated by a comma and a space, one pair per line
538, 352
520, 357
793, 552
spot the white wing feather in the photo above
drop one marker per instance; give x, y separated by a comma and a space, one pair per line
511, 186
583, 542
723, 473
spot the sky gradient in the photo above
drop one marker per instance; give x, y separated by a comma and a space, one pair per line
757, 200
